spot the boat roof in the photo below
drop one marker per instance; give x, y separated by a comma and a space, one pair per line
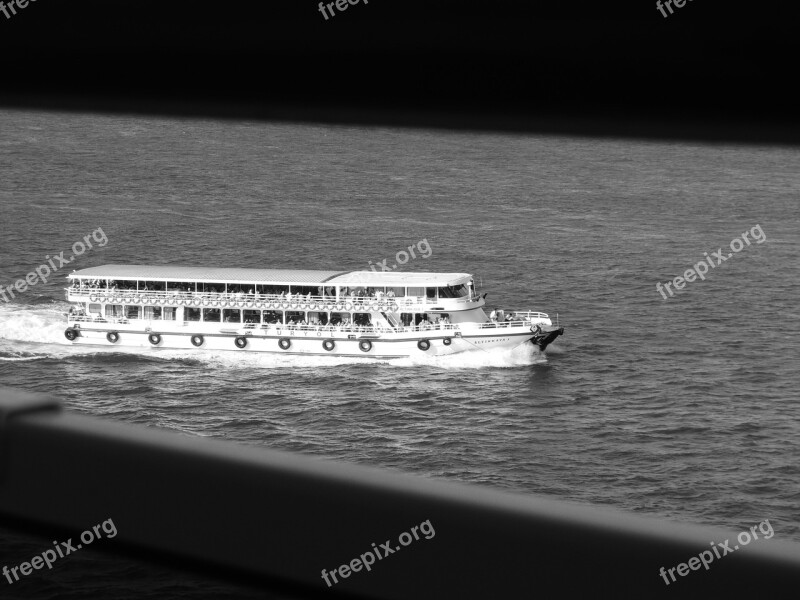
270, 276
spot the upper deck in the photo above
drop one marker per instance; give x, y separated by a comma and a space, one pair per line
269, 276
143, 283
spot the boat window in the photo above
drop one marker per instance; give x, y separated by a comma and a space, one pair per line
232, 315
396, 292
179, 286
152, 312
94, 308
295, 315
416, 291
362, 319
436, 317
191, 314
115, 311
372, 291
425, 319
275, 290
304, 290
340, 318
211, 315
453, 291
317, 318
168, 313
132, 312
212, 288
252, 316
430, 293
407, 319
273, 316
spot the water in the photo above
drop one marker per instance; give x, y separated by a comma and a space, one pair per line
683, 408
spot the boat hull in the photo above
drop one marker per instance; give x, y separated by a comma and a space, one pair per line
546, 336
317, 343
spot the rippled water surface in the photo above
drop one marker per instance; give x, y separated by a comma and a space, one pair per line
685, 408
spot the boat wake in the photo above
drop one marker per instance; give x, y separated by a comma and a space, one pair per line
33, 332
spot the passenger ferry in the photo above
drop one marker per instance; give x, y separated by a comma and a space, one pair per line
353, 313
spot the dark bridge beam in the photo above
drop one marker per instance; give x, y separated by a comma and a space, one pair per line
283, 518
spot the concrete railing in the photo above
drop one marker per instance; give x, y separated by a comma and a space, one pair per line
283, 518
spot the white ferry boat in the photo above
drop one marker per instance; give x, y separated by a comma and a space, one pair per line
355, 313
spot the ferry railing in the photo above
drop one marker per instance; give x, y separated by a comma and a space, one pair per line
280, 519
241, 299
324, 329
100, 319
528, 314
499, 324
353, 329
